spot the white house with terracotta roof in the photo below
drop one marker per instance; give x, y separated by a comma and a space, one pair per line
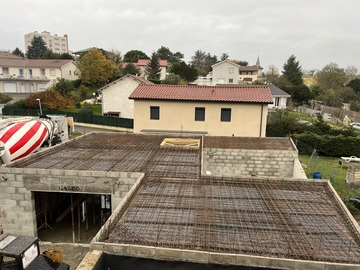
21, 75
227, 72
142, 63
207, 110
114, 96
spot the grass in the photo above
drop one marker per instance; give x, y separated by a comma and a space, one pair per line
331, 170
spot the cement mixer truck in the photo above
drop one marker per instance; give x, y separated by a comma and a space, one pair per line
19, 137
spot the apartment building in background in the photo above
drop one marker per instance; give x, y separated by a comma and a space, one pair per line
58, 44
24, 76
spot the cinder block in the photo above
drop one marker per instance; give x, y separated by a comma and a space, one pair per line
71, 172
14, 183
5, 169
142, 251
97, 246
17, 196
306, 265
42, 171
57, 172
195, 256
118, 249
30, 171
98, 174
112, 174
223, 258
84, 173
168, 253
17, 170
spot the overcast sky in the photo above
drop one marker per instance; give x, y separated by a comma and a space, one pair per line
317, 32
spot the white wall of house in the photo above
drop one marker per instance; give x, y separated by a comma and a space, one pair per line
279, 103
69, 72
247, 120
33, 79
225, 72
115, 97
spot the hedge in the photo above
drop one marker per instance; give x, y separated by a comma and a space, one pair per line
333, 146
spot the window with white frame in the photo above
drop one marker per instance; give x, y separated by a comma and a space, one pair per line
52, 72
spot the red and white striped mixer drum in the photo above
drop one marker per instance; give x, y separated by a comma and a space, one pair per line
21, 139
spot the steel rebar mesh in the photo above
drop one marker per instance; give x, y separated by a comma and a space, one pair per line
260, 217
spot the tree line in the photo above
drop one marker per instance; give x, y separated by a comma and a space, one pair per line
332, 86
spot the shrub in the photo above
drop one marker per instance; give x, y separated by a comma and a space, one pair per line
327, 145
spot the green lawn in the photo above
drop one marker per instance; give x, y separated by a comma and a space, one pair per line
331, 170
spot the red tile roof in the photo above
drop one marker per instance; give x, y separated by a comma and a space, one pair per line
144, 62
253, 94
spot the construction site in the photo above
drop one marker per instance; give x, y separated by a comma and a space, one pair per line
196, 201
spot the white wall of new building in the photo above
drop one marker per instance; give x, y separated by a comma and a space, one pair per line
115, 97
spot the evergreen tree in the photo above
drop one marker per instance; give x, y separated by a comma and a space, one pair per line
224, 56
292, 71
18, 52
203, 62
355, 85
134, 56
49, 54
165, 54
37, 48
129, 69
153, 67
186, 72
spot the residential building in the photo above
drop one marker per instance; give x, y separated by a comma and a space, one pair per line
251, 74
215, 110
20, 75
55, 43
227, 72
142, 63
280, 97
115, 101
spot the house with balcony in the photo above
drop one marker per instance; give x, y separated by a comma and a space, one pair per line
202, 110
228, 72
22, 76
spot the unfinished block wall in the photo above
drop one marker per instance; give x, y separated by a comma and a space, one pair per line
244, 162
17, 203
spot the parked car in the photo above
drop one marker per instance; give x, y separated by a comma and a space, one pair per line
304, 122
355, 125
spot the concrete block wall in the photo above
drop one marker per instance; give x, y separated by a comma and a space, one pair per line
17, 203
255, 163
